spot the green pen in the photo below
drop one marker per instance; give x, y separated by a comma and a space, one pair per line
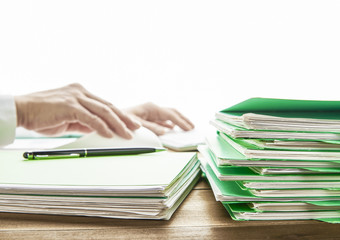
89, 152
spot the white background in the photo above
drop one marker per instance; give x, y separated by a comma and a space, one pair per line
197, 56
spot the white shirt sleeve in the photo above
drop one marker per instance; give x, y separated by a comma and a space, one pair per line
8, 120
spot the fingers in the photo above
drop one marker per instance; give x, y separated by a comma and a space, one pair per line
184, 118
176, 118
72, 108
166, 124
92, 121
107, 116
161, 116
154, 127
129, 122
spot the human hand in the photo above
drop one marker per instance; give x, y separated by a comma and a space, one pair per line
72, 108
160, 119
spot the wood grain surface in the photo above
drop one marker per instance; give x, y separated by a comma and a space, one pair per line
199, 217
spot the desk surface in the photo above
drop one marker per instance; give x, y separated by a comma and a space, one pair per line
199, 217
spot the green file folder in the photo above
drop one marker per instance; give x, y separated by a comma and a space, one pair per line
230, 191
265, 118
287, 108
233, 173
243, 211
225, 154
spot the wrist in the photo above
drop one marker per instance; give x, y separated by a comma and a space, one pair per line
19, 110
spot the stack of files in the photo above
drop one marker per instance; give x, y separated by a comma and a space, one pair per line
141, 186
275, 159
144, 186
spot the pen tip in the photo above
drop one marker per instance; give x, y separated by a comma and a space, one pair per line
160, 149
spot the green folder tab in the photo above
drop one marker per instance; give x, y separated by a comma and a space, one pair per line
288, 108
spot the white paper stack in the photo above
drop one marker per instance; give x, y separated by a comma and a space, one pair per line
142, 186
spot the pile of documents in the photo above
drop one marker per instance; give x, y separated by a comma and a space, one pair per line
276, 159
141, 186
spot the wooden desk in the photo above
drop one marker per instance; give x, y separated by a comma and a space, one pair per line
199, 217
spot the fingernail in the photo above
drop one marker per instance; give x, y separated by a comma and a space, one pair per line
162, 131
188, 126
128, 134
137, 123
108, 134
